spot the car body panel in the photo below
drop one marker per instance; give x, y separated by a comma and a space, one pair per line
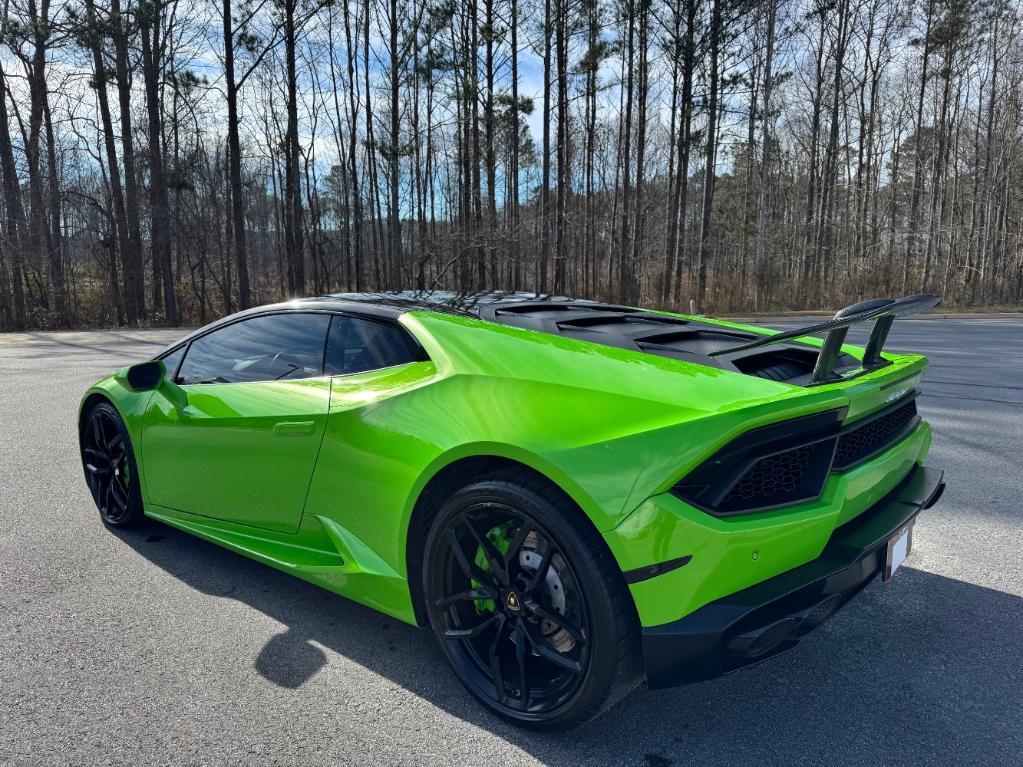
615, 429
320, 552
241, 452
729, 554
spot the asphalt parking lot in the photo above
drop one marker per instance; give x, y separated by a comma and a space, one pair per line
153, 647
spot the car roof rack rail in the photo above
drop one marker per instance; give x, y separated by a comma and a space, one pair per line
882, 311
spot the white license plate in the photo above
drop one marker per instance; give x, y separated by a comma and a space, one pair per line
899, 546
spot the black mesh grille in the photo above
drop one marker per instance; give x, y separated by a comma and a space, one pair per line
762, 470
771, 480
873, 436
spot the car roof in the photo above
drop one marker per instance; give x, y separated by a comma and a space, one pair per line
451, 302
690, 339
388, 305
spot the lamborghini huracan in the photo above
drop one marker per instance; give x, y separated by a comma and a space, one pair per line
573, 496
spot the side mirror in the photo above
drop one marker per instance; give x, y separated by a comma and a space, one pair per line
145, 376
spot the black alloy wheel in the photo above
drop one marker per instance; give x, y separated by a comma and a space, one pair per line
109, 465
507, 601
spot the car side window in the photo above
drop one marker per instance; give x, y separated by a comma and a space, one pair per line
356, 345
171, 360
274, 347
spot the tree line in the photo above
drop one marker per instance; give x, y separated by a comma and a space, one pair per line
165, 161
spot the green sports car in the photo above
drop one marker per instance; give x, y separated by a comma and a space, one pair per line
574, 496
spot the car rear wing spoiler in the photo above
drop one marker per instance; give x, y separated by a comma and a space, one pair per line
882, 311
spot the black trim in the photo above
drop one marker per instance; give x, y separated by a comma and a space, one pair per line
664, 334
707, 486
387, 317
641, 574
146, 375
677, 337
770, 617
905, 429
882, 311
413, 349
892, 384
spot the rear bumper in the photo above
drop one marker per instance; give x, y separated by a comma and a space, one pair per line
769, 618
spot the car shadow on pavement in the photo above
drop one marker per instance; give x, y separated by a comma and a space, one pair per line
926, 668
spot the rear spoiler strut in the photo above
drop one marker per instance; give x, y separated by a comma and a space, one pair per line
882, 310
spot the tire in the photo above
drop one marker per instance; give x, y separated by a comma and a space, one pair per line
508, 558
111, 473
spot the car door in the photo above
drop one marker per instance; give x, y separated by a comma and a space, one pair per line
366, 463
243, 445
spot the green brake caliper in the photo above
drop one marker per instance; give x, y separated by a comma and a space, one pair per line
499, 537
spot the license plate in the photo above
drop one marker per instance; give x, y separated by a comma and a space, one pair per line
899, 546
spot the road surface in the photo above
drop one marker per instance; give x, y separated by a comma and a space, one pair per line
154, 647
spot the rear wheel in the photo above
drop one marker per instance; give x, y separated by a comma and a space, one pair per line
528, 604
109, 464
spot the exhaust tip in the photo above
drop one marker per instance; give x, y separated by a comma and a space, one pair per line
819, 613
763, 640
760, 641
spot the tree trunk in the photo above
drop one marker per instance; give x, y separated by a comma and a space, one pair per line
158, 197
563, 178
625, 265
234, 164
12, 205
513, 163
918, 166
545, 189
679, 236
39, 230
488, 136
134, 284
638, 226
394, 155
760, 256
294, 244
113, 168
357, 265
56, 241
710, 155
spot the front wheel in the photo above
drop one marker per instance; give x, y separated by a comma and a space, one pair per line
528, 604
109, 464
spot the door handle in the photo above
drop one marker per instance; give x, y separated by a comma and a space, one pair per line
292, 428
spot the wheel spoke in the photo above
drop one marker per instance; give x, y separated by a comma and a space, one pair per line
475, 631
495, 659
97, 470
97, 433
469, 568
546, 651
121, 501
122, 483
541, 571
464, 596
97, 453
520, 659
515, 546
493, 556
94, 486
557, 619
